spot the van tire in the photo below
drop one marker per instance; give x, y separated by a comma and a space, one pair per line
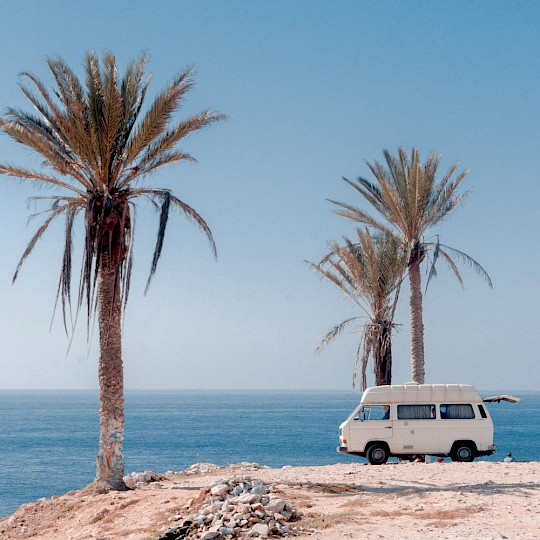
463, 451
377, 453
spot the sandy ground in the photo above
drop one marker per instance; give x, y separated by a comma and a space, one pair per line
470, 501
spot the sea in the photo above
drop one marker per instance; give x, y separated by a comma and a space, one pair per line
48, 439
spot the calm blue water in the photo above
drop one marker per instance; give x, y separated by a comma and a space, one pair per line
48, 439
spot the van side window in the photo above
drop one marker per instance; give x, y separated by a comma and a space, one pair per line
482, 411
455, 411
416, 412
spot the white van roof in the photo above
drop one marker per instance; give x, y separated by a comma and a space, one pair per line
421, 393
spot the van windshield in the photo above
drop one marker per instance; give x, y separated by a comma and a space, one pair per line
373, 412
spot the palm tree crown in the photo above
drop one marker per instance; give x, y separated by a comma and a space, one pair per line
411, 202
98, 147
369, 273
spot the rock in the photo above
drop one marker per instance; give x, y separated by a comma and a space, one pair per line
209, 535
177, 533
249, 498
275, 505
201, 468
260, 529
220, 490
286, 514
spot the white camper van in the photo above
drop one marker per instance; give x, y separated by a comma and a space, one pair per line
419, 419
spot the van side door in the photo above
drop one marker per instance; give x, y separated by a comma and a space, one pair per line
415, 429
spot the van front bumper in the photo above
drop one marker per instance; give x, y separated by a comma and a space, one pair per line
343, 450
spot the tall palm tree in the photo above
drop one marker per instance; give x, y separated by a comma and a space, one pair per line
97, 148
369, 273
406, 194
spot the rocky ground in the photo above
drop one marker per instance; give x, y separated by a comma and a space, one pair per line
470, 501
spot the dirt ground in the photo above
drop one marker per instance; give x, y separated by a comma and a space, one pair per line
470, 501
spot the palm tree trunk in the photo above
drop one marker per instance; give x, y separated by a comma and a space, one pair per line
383, 361
110, 460
417, 324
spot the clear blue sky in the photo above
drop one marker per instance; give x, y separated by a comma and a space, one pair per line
313, 90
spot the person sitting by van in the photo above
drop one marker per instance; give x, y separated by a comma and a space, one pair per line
508, 458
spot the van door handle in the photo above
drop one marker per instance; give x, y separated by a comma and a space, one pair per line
387, 427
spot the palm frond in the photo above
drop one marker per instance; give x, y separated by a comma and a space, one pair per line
64, 282
451, 265
38, 178
167, 199
358, 216
53, 213
468, 261
432, 269
195, 218
163, 219
147, 168
155, 121
333, 333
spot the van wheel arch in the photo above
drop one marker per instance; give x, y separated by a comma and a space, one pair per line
377, 452
463, 451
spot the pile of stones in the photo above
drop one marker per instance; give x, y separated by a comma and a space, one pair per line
139, 478
237, 508
205, 468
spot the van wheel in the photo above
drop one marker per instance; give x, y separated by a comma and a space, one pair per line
377, 454
463, 452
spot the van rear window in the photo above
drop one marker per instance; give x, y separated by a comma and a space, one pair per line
457, 411
416, 412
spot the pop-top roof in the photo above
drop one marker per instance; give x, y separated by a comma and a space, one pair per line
421, 393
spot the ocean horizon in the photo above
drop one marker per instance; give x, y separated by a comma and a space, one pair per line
49, 438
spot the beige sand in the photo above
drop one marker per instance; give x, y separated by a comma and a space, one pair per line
470, 501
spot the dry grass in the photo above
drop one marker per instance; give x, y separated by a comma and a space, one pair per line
334, 489
436, 515
323, 522
128, 503
438, 518
440, 524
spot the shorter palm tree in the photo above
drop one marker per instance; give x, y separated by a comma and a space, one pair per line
369, 273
